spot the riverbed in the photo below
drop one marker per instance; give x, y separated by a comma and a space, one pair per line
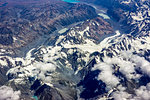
43, 40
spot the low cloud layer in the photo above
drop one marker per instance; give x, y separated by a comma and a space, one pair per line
126, 63
142, 93
44, 71
106, 74
7, 93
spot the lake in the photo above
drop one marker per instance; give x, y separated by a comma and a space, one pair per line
35, 97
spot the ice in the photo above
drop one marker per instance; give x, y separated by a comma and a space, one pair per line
63, 30
126, 2
104, 16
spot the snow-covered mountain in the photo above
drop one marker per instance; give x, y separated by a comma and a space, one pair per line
77, 59
133, 15
138, 20
61, 58
88, 60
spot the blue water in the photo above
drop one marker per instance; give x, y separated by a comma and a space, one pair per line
71, 1
35, 97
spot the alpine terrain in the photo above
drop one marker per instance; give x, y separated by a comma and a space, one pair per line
75, 50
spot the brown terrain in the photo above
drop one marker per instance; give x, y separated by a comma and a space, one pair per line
21, 24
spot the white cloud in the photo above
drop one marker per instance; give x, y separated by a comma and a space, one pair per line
142, 63
125, 66
106, 74
120, 95
7, 93
42, 69
126, 63
45, 66
142, 93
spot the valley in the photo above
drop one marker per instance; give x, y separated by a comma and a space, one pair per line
65, 51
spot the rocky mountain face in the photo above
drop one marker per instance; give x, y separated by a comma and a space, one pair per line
53, 71
135, 15
139, 19
110, 69
132, 14
127, 59
88, 60
21, 24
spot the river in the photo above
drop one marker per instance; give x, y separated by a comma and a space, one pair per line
43, 40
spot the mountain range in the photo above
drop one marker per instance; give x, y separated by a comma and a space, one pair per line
89, 50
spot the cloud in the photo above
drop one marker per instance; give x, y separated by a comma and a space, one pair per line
141, 63
120, 95
7, 93
126, 62
42, 69
137, 61
125, 67
141, 93
106, 74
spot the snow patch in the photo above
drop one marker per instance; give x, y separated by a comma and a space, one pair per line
104, 16
63, 30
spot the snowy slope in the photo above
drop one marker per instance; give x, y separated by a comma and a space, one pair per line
121, 59
88, 58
